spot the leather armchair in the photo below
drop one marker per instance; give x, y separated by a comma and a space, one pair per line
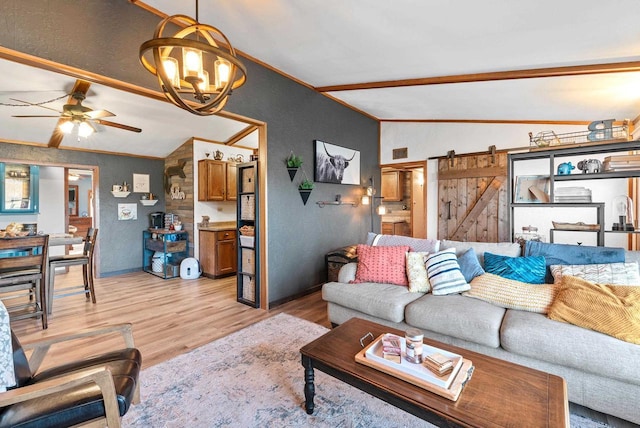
96, 391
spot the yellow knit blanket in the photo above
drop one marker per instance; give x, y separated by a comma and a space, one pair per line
609, 309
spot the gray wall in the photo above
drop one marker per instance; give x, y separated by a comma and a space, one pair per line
299, 235
119, 242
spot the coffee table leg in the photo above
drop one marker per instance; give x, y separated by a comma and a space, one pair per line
309, 388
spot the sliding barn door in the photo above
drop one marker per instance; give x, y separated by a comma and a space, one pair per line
472, 193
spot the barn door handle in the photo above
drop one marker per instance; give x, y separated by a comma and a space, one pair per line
449, 210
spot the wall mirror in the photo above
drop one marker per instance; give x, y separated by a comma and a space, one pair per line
73, 200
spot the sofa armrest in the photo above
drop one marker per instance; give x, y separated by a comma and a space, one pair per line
347, 273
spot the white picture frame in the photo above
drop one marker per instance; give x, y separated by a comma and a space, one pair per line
127, 211
140, 183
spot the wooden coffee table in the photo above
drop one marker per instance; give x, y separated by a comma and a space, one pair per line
499, 394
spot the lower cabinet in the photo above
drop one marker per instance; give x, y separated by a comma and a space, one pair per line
396, 228
218, 256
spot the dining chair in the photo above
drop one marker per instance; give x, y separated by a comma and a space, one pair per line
86, 260
23, 271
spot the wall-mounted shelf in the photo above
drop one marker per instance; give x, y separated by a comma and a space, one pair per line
120, 194
322, 204
148, 202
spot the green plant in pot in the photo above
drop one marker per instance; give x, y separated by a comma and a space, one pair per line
305, 187
293, 163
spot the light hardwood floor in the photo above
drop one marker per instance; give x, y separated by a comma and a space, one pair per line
171, 317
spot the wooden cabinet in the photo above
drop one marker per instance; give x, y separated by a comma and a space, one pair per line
216, 180
395, 228
218, 256
392, 186
82, 224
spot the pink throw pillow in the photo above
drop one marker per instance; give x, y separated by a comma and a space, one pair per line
382, 264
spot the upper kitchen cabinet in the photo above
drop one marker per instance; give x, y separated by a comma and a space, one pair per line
19, 189
392, 186
216, 180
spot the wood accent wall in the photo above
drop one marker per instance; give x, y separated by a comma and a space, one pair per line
472, 198
183, 207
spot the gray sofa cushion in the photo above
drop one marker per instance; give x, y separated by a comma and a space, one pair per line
536, 336
457, 316
501, 248
384, 301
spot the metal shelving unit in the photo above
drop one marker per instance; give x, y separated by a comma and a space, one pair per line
560, 152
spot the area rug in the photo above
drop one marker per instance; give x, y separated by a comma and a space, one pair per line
254, 378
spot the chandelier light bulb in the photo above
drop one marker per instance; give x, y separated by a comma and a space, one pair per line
192, 62
223, 71
171, 67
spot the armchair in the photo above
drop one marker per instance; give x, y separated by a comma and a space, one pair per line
96, 391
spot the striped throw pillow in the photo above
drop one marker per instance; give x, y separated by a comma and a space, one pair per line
444, 273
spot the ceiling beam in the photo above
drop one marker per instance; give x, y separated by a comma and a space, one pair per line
573, 70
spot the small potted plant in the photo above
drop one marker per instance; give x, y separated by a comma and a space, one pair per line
293, 163
305, 187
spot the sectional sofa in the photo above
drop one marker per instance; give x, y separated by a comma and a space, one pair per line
602, 372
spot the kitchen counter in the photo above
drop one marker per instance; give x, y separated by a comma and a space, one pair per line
218, 226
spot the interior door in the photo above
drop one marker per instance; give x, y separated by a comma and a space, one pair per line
472, 193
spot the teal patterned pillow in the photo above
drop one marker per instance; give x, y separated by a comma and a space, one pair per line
531, 269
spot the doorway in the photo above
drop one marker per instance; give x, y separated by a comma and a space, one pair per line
80, 205
409, 203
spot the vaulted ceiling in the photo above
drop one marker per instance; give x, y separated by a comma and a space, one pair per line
427, 60
570, 61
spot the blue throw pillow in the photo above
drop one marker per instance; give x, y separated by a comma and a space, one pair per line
469, 265
524, 269
566, 254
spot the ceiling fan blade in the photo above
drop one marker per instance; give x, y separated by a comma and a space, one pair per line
35, 105
32, 115
98, 114
118, 125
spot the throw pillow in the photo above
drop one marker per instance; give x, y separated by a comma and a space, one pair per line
444, 273
470, 265
512, 294
417, 272
566, 254
601, 273
530, 269
609, 309
381, 264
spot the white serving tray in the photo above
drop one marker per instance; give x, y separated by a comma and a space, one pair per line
374, 353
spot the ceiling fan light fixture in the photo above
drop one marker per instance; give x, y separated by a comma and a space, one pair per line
85, 129
206, 56
66, 127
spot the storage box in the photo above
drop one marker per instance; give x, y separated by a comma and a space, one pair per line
246, 241
248, 207
248, 288
172, 247
248, 182
248, 263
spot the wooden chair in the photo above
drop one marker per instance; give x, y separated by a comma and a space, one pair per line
86, 260
23, 271
95, 392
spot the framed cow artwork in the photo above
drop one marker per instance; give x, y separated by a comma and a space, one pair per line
335, 164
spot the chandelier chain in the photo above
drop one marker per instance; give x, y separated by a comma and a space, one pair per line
35, 104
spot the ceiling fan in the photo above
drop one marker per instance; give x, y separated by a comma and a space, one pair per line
74, 113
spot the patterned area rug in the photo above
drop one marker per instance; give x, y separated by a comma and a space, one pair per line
254, 378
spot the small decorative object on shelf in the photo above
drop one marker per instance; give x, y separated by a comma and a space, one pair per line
597, 132
623, 211
575, 226
565, 168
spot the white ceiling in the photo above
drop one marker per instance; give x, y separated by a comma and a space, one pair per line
164, 127
324, 43
337, 42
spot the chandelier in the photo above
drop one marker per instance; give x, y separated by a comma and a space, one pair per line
197, 67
